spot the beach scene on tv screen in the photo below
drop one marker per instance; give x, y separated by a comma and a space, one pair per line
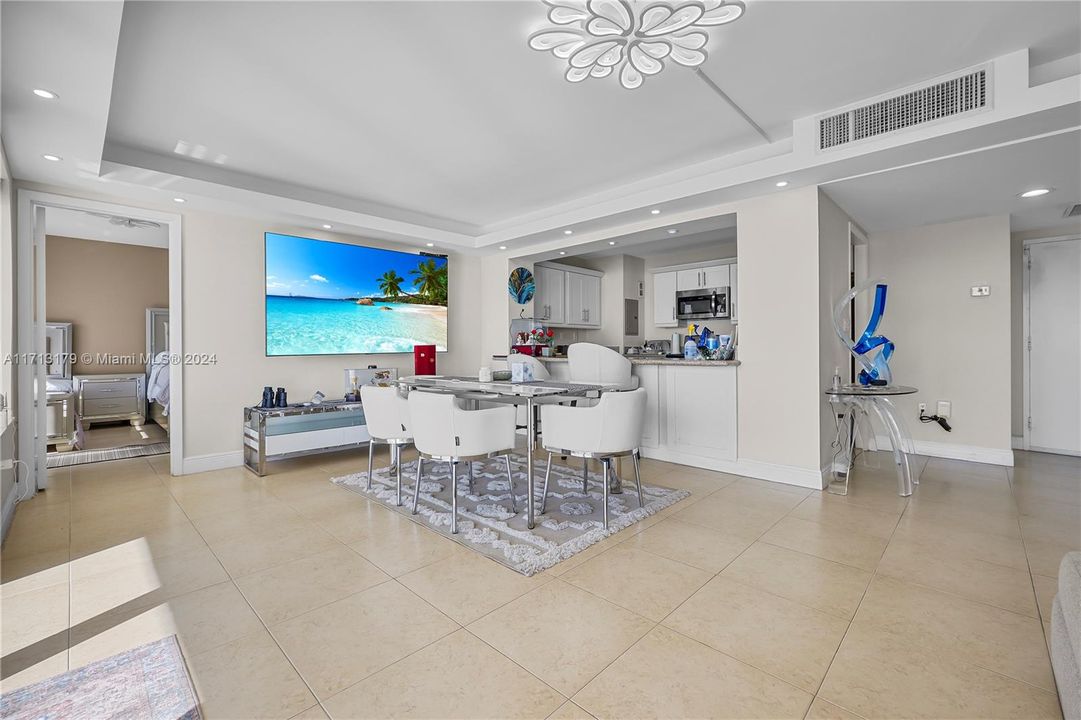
329, 298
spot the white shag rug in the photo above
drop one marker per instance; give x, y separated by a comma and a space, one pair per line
572, 522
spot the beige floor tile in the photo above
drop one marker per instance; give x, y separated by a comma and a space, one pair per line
128, 576
91, 536
561, 634
458, 676
1046, 589
203, 620
644, 583
315, 712
790, 641
295, 587
248, 678
874, 492
243, 556
1044, 558
694, 480
37, 529
822, 710
878, 674
315, 495
344, 642
33, 670
973, 579
669, 675
694, 545
997, 549
43, 568
821, 584
564, 566
570, 711
154, 515
997, 499
1060, 529
955, 517
739, 521
403, 546
86, 485
213, 498
160, 464
467, 585
145, 501
761, 495
951, 626
272, 518
33, 631
827, 509
831, 542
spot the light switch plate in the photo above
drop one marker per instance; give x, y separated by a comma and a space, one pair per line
944, 407
981, 290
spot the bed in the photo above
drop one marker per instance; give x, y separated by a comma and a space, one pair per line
157, 367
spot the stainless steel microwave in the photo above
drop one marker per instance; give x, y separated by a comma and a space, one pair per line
702, 304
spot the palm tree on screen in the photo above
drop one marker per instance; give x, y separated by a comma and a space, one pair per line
390, 284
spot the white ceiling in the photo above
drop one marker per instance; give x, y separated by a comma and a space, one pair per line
434, 122
440, 109
78, 224
971, 185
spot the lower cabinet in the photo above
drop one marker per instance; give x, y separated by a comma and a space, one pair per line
690, 413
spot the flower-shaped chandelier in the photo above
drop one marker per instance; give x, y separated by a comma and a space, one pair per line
600, 37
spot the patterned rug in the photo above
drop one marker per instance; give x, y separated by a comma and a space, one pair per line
150, 681
83, 457
486, 524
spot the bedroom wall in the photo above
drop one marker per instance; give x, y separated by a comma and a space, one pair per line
104, 289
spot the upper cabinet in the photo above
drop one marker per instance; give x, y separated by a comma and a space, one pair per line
664, 299
667, 283
567, 296
549, 298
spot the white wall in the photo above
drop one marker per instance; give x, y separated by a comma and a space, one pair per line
950, 345
223, 291
833, 275
7, 344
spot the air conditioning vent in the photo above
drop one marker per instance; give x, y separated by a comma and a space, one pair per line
963, 93
1073, 211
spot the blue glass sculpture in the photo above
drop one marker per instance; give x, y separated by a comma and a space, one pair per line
875, 366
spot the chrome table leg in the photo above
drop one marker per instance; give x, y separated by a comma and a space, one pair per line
531, 436
398, 467
637, 477
453, 498
510, 481
416, 488
585, 476
544, 492
605, 463
371, 451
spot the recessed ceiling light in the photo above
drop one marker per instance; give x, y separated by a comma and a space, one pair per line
179, 200
672, 231
52, 158
326, 227
654, 211
430, 244
47, 94
568, 232
782, 183
562, 253
502, 247
1035, 192
611, 242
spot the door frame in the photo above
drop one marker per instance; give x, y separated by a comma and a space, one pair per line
31, 329
1025, 350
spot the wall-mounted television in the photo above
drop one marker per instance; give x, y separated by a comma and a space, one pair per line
331, 298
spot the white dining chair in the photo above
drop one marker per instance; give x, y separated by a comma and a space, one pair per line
612, 428
443, 431
386, 414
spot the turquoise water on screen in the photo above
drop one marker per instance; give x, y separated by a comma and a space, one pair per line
311, 326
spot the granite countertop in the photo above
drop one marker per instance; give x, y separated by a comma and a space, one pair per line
655, 360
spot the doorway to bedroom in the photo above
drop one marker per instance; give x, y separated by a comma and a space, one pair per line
106, 304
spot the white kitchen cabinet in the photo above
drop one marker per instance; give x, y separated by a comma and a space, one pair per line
701, 411
649, 380
715, 276
689, 279
549, 299
664, 299
566, 296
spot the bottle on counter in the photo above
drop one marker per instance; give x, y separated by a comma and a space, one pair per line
690, 350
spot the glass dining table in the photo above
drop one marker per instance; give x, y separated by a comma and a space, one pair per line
529, 394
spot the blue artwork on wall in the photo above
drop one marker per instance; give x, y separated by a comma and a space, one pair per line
521, 285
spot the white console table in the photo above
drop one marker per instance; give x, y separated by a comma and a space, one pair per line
278, 433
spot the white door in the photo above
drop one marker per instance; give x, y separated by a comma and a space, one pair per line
591, 300
664, 301
1053, 369
715, 276
690, 279
549, 302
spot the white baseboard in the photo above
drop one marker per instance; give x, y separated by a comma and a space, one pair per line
214, 461
972, 453
9, 510
1017, 442
787, 474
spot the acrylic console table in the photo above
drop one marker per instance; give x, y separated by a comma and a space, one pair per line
853, 407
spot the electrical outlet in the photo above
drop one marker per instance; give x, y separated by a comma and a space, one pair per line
944, 407
981, 290
923, 409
